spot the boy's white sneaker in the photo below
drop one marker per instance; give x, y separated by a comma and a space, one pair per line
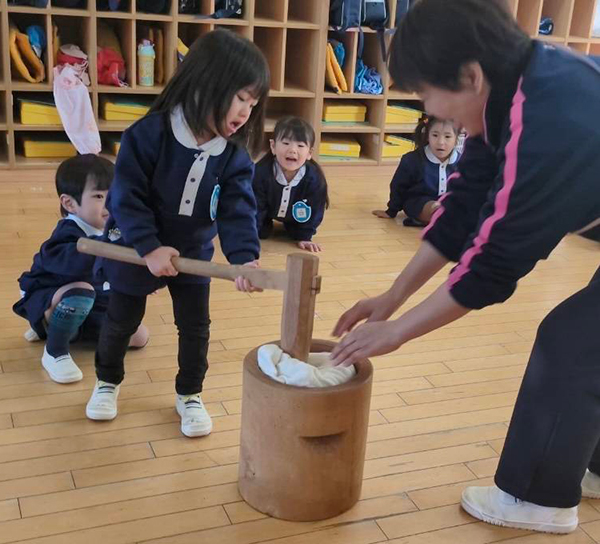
195, 420
61, 369
31, 336
492, 505
590, 485
103, 402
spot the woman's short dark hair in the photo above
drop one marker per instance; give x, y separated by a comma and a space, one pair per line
73, 175
217, 66
437, 37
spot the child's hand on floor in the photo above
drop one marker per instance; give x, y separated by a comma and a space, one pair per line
381, 214
159, 261
243, 284
310, 246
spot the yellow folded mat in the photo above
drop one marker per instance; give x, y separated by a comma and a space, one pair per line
334, 76
24, 60
402, 115
399, 141
38, 112
393, 151
47, 147
339, 147
344, 111
124, 109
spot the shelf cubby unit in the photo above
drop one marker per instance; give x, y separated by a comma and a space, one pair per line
293, 36
369, 149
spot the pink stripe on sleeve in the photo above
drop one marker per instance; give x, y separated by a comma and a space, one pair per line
503, 196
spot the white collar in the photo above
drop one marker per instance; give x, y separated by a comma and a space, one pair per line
186, 138
454, 156
282, 180
85, 227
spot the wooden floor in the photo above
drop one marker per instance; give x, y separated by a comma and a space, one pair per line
440, 405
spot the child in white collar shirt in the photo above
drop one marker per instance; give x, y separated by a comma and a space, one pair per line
290, 187
61, 297
422, 175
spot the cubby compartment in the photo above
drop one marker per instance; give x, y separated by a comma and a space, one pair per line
583, 15
160, 34
560, 11
3, 109
395, 146
594, 49
301, 60
77, 31
271, 41
4, 138
349, 116
43, 148
304, 12
373, 58
22, 21
188, 33
282, 107
529, 14
117, 111
103, 7
35, 110
111, 142
110, 33
580, 47
402, 116
270, 12
348, 41
341, 148
153, 7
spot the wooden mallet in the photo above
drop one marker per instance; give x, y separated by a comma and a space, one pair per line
300, 285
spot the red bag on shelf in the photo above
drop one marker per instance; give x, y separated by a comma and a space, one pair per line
111, 68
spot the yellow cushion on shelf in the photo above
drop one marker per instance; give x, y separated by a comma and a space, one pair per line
400, 141
402, 114
344, 111
34, 112
339, 147
393, 151
47, 148
119, 109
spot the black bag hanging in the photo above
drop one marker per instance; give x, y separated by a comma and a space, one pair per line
227, 8
189, 6
375, 14
345, 14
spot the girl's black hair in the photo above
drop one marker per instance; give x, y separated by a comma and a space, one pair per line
424, 127
436, 38
73, 175
298, 130
217, 66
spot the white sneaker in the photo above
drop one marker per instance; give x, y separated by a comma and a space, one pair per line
590, 485
31, 336
103, 402
492, 505
195, 420
61, 369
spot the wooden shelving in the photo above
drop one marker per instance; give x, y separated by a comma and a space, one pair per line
293, 36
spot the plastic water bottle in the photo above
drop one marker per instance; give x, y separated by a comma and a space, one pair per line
146, 58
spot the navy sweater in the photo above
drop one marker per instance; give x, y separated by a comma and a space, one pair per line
539, 181
300, 207
169, 191
420, 178
58, 261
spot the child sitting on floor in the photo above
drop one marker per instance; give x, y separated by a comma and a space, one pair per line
61, 299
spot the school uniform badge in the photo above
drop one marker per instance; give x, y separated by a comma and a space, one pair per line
301, 211
214, 202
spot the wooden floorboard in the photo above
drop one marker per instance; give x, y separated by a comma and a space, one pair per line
439, 410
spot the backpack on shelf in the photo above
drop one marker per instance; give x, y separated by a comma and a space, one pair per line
345, 14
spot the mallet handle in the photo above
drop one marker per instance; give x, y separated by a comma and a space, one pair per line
265, 279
